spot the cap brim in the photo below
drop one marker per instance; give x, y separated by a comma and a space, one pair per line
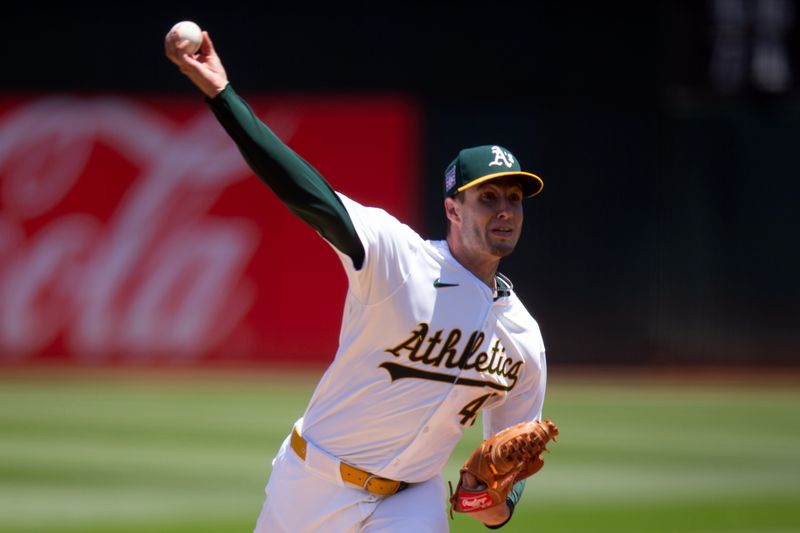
531, 185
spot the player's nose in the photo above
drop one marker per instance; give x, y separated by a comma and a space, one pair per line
505, 209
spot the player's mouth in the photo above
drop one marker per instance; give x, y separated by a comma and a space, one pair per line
503, 232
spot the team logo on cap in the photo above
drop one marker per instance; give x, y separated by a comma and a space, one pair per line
501, 157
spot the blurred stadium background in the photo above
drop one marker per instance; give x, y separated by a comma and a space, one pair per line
159, 331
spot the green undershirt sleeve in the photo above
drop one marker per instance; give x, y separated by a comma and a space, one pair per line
512, 500
294, 181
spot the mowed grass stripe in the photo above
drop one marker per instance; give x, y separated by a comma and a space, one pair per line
125, 465
156, 403
47, 508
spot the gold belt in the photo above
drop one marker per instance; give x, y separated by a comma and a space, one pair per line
351, 474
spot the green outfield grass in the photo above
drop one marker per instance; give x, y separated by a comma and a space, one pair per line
177, 453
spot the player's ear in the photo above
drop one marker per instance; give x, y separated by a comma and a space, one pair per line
452, 209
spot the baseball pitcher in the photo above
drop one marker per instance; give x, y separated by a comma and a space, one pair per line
431, 336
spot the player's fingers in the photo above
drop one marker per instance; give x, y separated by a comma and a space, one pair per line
169, 46
176, 49
182, 47
207, 46
190, 63
470, 481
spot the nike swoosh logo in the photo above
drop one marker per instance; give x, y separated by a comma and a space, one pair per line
439, 284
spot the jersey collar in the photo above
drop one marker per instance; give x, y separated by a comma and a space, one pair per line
503, 286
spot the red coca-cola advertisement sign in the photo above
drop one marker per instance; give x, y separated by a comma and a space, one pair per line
132, 230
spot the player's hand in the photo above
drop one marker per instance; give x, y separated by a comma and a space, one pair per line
492, 516
203, 68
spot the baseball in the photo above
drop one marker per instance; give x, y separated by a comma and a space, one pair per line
189, 31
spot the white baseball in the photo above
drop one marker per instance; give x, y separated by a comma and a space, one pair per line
189, 31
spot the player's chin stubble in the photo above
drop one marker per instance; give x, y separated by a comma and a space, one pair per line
501, 248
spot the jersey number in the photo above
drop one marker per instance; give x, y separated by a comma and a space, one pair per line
470, 411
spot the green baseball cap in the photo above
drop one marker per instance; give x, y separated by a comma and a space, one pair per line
479, 164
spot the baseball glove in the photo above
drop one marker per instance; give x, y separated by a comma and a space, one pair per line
500, 461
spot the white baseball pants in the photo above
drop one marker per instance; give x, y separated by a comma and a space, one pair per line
303, 498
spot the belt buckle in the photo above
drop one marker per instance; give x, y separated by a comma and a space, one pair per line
368, 481
388, 487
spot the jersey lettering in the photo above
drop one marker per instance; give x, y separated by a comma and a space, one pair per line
421, 346
470, 411
401, 372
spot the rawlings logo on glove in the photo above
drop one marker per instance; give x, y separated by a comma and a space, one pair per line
500, 461
474, 502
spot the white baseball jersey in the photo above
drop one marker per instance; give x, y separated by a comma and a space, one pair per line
424, 346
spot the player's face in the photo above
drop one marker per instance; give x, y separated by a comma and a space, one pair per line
491, 217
